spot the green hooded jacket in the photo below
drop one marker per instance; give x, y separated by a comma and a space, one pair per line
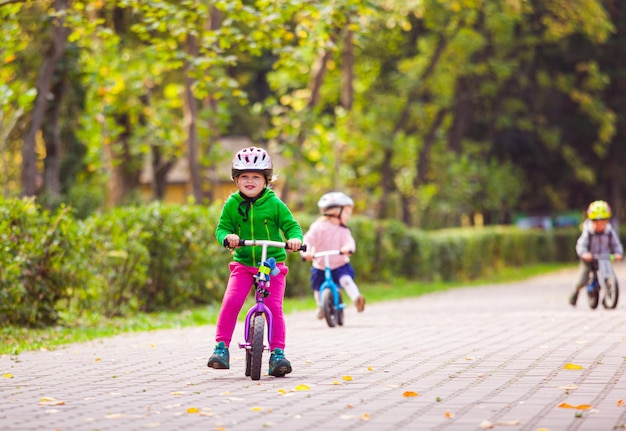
266, 217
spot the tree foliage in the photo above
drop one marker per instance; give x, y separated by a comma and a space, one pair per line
427, 111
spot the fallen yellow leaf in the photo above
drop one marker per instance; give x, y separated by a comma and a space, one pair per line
282, 391
365, 417
303, 388
572, 367
256, 409
193, 410
97, 360
347, 378
335, 382
177, 393
569, 387
369, 368
620, 403
49, 401
7, 376
448, 415
578, 407
509, 423
410, 394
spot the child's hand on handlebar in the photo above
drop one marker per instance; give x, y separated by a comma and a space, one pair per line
294, 244
618, 257
232, 240
586, 256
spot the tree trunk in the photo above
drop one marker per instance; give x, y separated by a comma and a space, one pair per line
423, 165
387, 179
462, 115
123, 166
191, 120
318, 72
160, 169
347, 72
43, 84
51, 133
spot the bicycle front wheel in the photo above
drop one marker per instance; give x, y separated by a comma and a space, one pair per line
248, 349
339, 310
611, 294
328, 304
593, 296
256, 346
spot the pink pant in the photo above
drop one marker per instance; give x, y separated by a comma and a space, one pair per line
238, 289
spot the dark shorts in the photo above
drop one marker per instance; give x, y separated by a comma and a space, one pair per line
317, 275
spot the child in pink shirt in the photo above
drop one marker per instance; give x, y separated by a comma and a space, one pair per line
330, 232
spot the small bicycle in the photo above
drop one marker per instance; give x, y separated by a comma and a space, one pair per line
602, 279
331, 298
259, 313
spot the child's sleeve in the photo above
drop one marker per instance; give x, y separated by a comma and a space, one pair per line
582, 244
617, 247
288, 224
224, 225
349, 241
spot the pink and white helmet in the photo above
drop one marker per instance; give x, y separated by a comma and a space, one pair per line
252, 159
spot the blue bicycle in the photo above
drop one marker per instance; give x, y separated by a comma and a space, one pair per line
331, 299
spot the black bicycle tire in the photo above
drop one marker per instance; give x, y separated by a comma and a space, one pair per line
339, 310
594, 298
329, 307
248, 348
611, 305
257, 347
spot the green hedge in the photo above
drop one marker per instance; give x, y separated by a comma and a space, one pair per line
165, 257
40, 262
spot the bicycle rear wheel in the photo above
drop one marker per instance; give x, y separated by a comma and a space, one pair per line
256, 346
611, 294
328, 304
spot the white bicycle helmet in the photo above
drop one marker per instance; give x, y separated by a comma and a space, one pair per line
335, 199
252, 159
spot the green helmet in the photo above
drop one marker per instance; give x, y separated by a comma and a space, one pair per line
599, 210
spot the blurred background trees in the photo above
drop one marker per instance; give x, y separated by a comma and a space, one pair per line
436, 113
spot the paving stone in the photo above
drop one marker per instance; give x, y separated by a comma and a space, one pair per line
482, 355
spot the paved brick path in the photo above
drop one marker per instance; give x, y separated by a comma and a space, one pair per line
474, 358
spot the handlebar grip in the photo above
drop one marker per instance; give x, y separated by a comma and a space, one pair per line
242, 243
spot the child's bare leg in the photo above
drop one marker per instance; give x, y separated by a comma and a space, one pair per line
352, 290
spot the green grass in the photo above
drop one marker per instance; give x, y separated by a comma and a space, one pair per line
15, 340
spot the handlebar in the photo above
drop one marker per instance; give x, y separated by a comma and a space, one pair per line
263, 243
331, 253
603, 256
327, 253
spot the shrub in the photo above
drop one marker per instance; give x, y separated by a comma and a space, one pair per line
39, 262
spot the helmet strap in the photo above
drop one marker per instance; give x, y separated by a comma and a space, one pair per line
338, 216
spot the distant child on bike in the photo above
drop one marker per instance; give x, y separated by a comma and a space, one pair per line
597, 237
254, 212
330, 232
